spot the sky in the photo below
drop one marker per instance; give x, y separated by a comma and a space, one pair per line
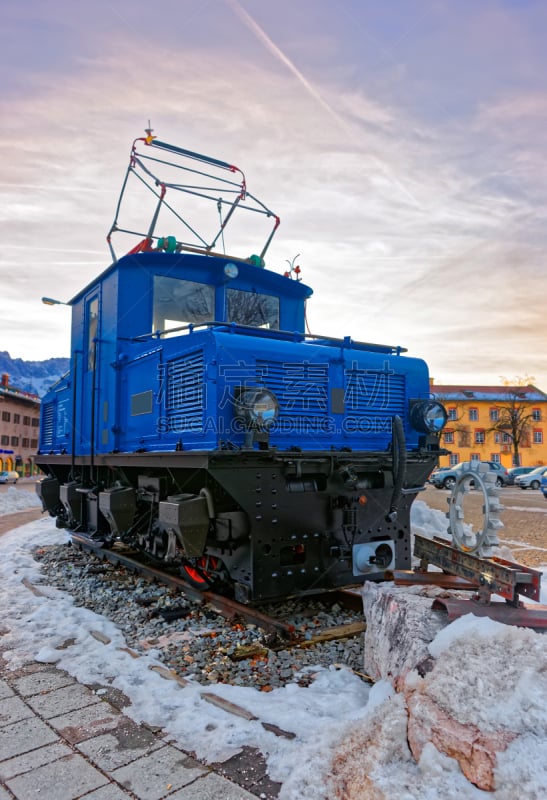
400, 143
488, 674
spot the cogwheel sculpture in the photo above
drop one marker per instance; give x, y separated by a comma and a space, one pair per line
475, 475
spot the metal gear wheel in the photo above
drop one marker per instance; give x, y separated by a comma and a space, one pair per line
475, 475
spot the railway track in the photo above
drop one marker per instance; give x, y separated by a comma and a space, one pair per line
282, 633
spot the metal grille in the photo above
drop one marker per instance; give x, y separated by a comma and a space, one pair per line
372, 397
46, 427
302, 391
310, 405
185, 396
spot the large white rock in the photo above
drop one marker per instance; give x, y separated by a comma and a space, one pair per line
400, 626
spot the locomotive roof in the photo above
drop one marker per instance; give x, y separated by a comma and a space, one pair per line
211, 266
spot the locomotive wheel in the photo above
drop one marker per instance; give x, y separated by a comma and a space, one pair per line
200, 572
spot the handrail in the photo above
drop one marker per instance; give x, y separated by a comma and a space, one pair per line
274, 333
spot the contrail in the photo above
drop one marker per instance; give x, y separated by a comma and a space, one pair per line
275, 51
263, 37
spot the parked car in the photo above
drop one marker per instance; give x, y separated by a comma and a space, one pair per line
544, 485
432, 474
9, 477
446, 478
514, 472
532, 480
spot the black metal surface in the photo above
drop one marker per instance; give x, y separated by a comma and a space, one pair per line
278, 524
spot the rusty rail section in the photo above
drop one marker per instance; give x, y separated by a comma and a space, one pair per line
483, 576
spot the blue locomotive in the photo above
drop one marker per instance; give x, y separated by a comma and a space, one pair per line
199, 421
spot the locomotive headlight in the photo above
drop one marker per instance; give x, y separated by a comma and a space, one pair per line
428, 416
257, 407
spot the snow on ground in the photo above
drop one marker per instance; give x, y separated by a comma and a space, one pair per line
339, 721
13, 500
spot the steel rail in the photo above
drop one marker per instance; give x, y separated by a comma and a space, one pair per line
224, 605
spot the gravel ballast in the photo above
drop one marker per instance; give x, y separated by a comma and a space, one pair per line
195, 641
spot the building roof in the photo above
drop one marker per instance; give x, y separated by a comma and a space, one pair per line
529, 393
12, 393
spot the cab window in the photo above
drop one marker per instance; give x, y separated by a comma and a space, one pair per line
179, 302
252, 308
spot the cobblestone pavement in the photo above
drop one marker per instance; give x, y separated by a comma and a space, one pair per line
62, 740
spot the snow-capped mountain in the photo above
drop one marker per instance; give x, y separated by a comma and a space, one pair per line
33, 376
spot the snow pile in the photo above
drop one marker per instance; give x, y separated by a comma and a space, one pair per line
14, 499
488, 683
428, 522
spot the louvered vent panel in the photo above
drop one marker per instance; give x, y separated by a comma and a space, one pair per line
185, 400
302, 391
46, 427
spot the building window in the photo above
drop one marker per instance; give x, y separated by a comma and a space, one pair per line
475, 456
473, 414
452, 414
4, 440
25, 443
538, 436
35, 422
6, 416
34, 443
495, 457
14, 441
479, 437
454, 459
16, 419
26, 420
464, 439
494, 414
506, 438
449, 437
536, 414
497, 437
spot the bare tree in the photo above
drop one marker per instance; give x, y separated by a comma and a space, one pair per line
515, 414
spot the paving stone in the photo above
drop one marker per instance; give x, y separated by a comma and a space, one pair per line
4, 795
248, 769
161, 773
12, 709
24, 736
111, 695
43, 681
65, 779
33, 760
61, 701
87, 722
110, 792
5, 690
212, 787
127, 743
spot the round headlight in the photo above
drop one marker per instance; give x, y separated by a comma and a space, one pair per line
428, 416
258, 408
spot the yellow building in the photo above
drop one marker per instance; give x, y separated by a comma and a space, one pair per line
506, 424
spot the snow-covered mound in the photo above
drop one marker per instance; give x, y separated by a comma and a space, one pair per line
17, 500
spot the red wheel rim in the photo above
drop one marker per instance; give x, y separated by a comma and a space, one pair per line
198, 572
